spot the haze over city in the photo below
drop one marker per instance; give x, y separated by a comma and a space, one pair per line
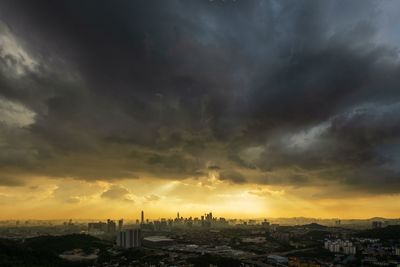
248, 109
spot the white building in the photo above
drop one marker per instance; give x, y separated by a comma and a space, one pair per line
130, 238
337, 246
349, 250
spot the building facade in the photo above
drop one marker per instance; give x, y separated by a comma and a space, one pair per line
130, 238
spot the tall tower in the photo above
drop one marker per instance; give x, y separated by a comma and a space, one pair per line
177, 215
142, 218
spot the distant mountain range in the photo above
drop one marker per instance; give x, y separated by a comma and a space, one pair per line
363, 223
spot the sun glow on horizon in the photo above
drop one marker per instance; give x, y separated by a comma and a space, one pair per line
71, 198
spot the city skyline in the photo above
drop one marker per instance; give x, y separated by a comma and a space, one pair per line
246, 108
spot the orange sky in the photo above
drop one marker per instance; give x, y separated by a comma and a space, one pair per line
46, 198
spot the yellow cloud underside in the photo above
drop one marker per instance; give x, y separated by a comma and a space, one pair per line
46, 198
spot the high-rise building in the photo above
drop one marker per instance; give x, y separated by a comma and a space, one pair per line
209, 216
130, 238
120, 224
142, 218
111, 226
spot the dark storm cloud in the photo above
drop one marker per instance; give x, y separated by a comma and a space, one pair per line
214, 167
232, 176
358, 149
175, 163
11, 181
298, 92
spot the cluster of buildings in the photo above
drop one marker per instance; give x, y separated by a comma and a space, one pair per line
104, 228
136, 235
370, 251
382, 224
132, 238
377, 253
340, 246
205, 221
250, 242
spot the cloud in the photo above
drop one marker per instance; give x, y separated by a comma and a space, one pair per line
73, 200
11, 181
12, 113
214, 167
359, 146
69, 190
232, 176
13, 56
295, 94
152, 198
266, 192
117, 192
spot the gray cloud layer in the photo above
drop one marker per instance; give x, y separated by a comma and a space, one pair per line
293, 92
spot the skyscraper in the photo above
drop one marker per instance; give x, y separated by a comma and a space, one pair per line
142, 218
120, 224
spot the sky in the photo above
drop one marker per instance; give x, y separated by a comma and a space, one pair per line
246, 108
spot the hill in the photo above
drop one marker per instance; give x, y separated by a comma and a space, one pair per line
59, 244
314, 226
386, 233
43, 251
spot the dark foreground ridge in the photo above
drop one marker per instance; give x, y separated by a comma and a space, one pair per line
44, 251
